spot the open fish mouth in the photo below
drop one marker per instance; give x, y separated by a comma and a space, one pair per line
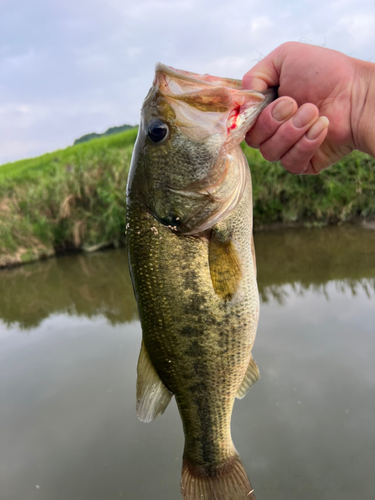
211, 95
192, 78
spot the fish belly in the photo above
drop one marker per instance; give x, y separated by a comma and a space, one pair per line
199, 344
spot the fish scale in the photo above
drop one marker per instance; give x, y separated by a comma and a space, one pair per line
195, 281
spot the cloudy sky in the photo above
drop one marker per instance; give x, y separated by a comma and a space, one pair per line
70, 67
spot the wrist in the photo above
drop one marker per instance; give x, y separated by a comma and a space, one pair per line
363, 107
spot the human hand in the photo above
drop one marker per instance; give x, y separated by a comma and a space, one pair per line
317, 87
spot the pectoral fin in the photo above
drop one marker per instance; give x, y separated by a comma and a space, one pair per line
251, 376
152, 395
225, 267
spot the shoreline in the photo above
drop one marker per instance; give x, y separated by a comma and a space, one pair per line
74, 199
23, 256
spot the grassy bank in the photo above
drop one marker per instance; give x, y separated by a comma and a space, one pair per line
75, 198
70, 199
343, 193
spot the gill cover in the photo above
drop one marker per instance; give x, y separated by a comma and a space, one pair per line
193, 170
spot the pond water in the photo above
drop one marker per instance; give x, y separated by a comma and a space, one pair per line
69, 343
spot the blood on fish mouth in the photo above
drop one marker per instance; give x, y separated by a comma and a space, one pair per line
233, 118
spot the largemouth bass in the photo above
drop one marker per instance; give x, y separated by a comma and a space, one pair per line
192, 262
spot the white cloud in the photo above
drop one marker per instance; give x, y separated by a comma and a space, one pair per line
19, 63
361, 27
159, 8
89, 64
92, 62
261, 22
12, 150
227, 66
133, 52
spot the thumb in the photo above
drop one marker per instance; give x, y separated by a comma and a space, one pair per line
265, 73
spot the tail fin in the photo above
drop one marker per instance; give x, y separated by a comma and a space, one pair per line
230, 482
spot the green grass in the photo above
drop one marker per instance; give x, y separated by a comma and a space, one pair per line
70, 199
25, 170
342, 193
75, 198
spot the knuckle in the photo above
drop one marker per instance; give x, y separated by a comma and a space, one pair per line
287, 134
287, 44
305, 147
251, 142
293, 166
314, 167
269, 155
266, 124
297, 159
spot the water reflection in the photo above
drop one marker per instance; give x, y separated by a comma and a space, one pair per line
78, 285
99, 284
309, 259
281, 293
68, 426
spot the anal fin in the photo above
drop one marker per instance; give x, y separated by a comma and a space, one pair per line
152, 395
251, 376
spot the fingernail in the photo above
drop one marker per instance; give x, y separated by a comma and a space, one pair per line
303, 116
318, 127
282, 110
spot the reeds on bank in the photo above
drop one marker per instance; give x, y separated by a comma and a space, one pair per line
74, 199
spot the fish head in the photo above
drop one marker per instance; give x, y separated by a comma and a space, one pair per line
187, 153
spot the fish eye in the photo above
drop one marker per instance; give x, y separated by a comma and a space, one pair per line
157, 131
